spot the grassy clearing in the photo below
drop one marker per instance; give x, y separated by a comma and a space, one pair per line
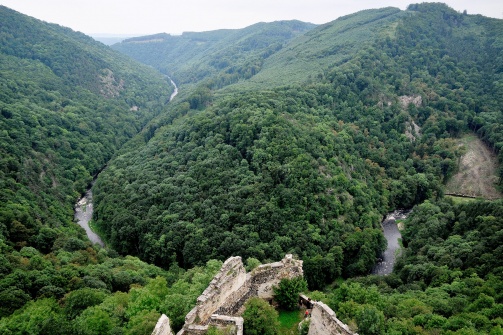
289, 321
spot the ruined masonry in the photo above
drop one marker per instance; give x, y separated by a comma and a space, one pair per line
162, 327
222, 303
324, 321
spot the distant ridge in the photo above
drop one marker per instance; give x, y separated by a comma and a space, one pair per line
192, 57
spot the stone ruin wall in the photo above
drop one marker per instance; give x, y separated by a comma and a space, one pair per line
162, 327
223, 321
324, 322
222, 303
260, 283
229, 280
232, 286
266, 276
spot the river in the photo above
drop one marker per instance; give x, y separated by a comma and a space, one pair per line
84, 214
175, 92
84, 207
392, 235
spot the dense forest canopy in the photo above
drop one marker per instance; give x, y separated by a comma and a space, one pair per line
309, 169
67, 104
287, 138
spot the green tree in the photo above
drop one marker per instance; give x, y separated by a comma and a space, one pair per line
252, 263
370, 321
12, 299
94, 321
260, 318
229, 330
142, 323
287, 292
77, 301
304, 327
42, 316
319, 270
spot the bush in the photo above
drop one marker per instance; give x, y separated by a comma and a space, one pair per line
77, 301
260, 318
287, 292
370, 321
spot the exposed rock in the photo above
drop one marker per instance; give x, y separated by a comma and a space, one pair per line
412, 130
110, 88
406, 100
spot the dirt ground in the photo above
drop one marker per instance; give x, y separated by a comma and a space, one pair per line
478, 169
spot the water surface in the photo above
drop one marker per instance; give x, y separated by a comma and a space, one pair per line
392, 234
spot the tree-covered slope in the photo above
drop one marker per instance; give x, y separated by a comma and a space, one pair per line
306, 160
447, 281
271, 54
67, 104
309, 55
222, 57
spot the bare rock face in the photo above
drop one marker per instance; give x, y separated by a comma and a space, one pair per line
406, 100
110, 87
412, 130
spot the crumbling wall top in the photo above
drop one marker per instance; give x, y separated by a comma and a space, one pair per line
230, 278
325, 322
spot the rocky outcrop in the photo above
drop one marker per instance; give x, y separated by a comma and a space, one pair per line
110, 87
412, 130
406, 100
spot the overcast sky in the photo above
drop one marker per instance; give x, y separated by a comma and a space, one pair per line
142, 17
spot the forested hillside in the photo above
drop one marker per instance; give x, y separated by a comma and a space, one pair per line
310, 169
67, 104
287, 138
448, 281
